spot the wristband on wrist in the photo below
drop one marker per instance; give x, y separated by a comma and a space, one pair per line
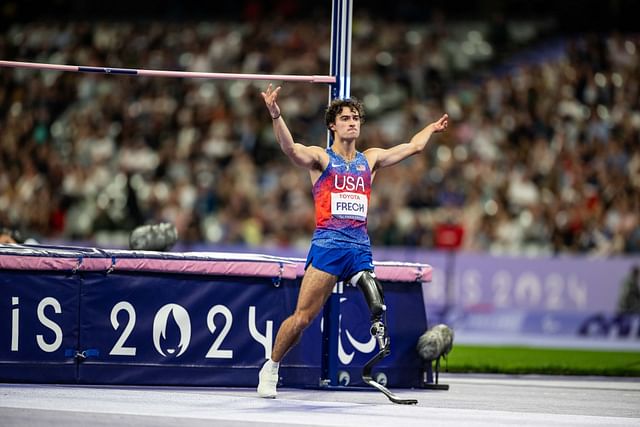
276, 117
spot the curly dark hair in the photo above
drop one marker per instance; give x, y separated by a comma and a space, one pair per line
335, 107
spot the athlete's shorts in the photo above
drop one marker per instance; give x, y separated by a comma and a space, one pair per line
343, 262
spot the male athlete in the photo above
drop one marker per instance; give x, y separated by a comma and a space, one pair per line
340, 249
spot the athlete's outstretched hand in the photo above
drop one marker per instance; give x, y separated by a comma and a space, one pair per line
270, 97
442, 124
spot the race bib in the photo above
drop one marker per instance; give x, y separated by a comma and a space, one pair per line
349, 206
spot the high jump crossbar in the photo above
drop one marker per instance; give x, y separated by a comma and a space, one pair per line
166, 73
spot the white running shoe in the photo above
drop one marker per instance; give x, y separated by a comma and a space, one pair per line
268, 380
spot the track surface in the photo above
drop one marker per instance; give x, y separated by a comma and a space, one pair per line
471, 400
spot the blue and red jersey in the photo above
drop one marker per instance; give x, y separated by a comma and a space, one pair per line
341, 196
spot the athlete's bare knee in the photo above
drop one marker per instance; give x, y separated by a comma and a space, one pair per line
301, 320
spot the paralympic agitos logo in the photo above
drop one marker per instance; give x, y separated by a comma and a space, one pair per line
355, 344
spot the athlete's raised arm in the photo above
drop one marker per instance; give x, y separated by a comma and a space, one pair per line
307, 157
382, 158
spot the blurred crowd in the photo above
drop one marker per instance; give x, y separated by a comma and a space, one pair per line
542, 157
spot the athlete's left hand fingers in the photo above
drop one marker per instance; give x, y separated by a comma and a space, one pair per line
442, 123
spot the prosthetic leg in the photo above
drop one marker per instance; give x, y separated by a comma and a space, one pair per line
372, 290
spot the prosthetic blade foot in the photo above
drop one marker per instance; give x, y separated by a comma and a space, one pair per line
383, 342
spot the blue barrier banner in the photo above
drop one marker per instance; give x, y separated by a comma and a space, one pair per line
139, 329
38, 326
119, 317
142, 327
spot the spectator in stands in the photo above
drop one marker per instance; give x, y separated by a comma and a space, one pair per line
7, 236
12, 236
